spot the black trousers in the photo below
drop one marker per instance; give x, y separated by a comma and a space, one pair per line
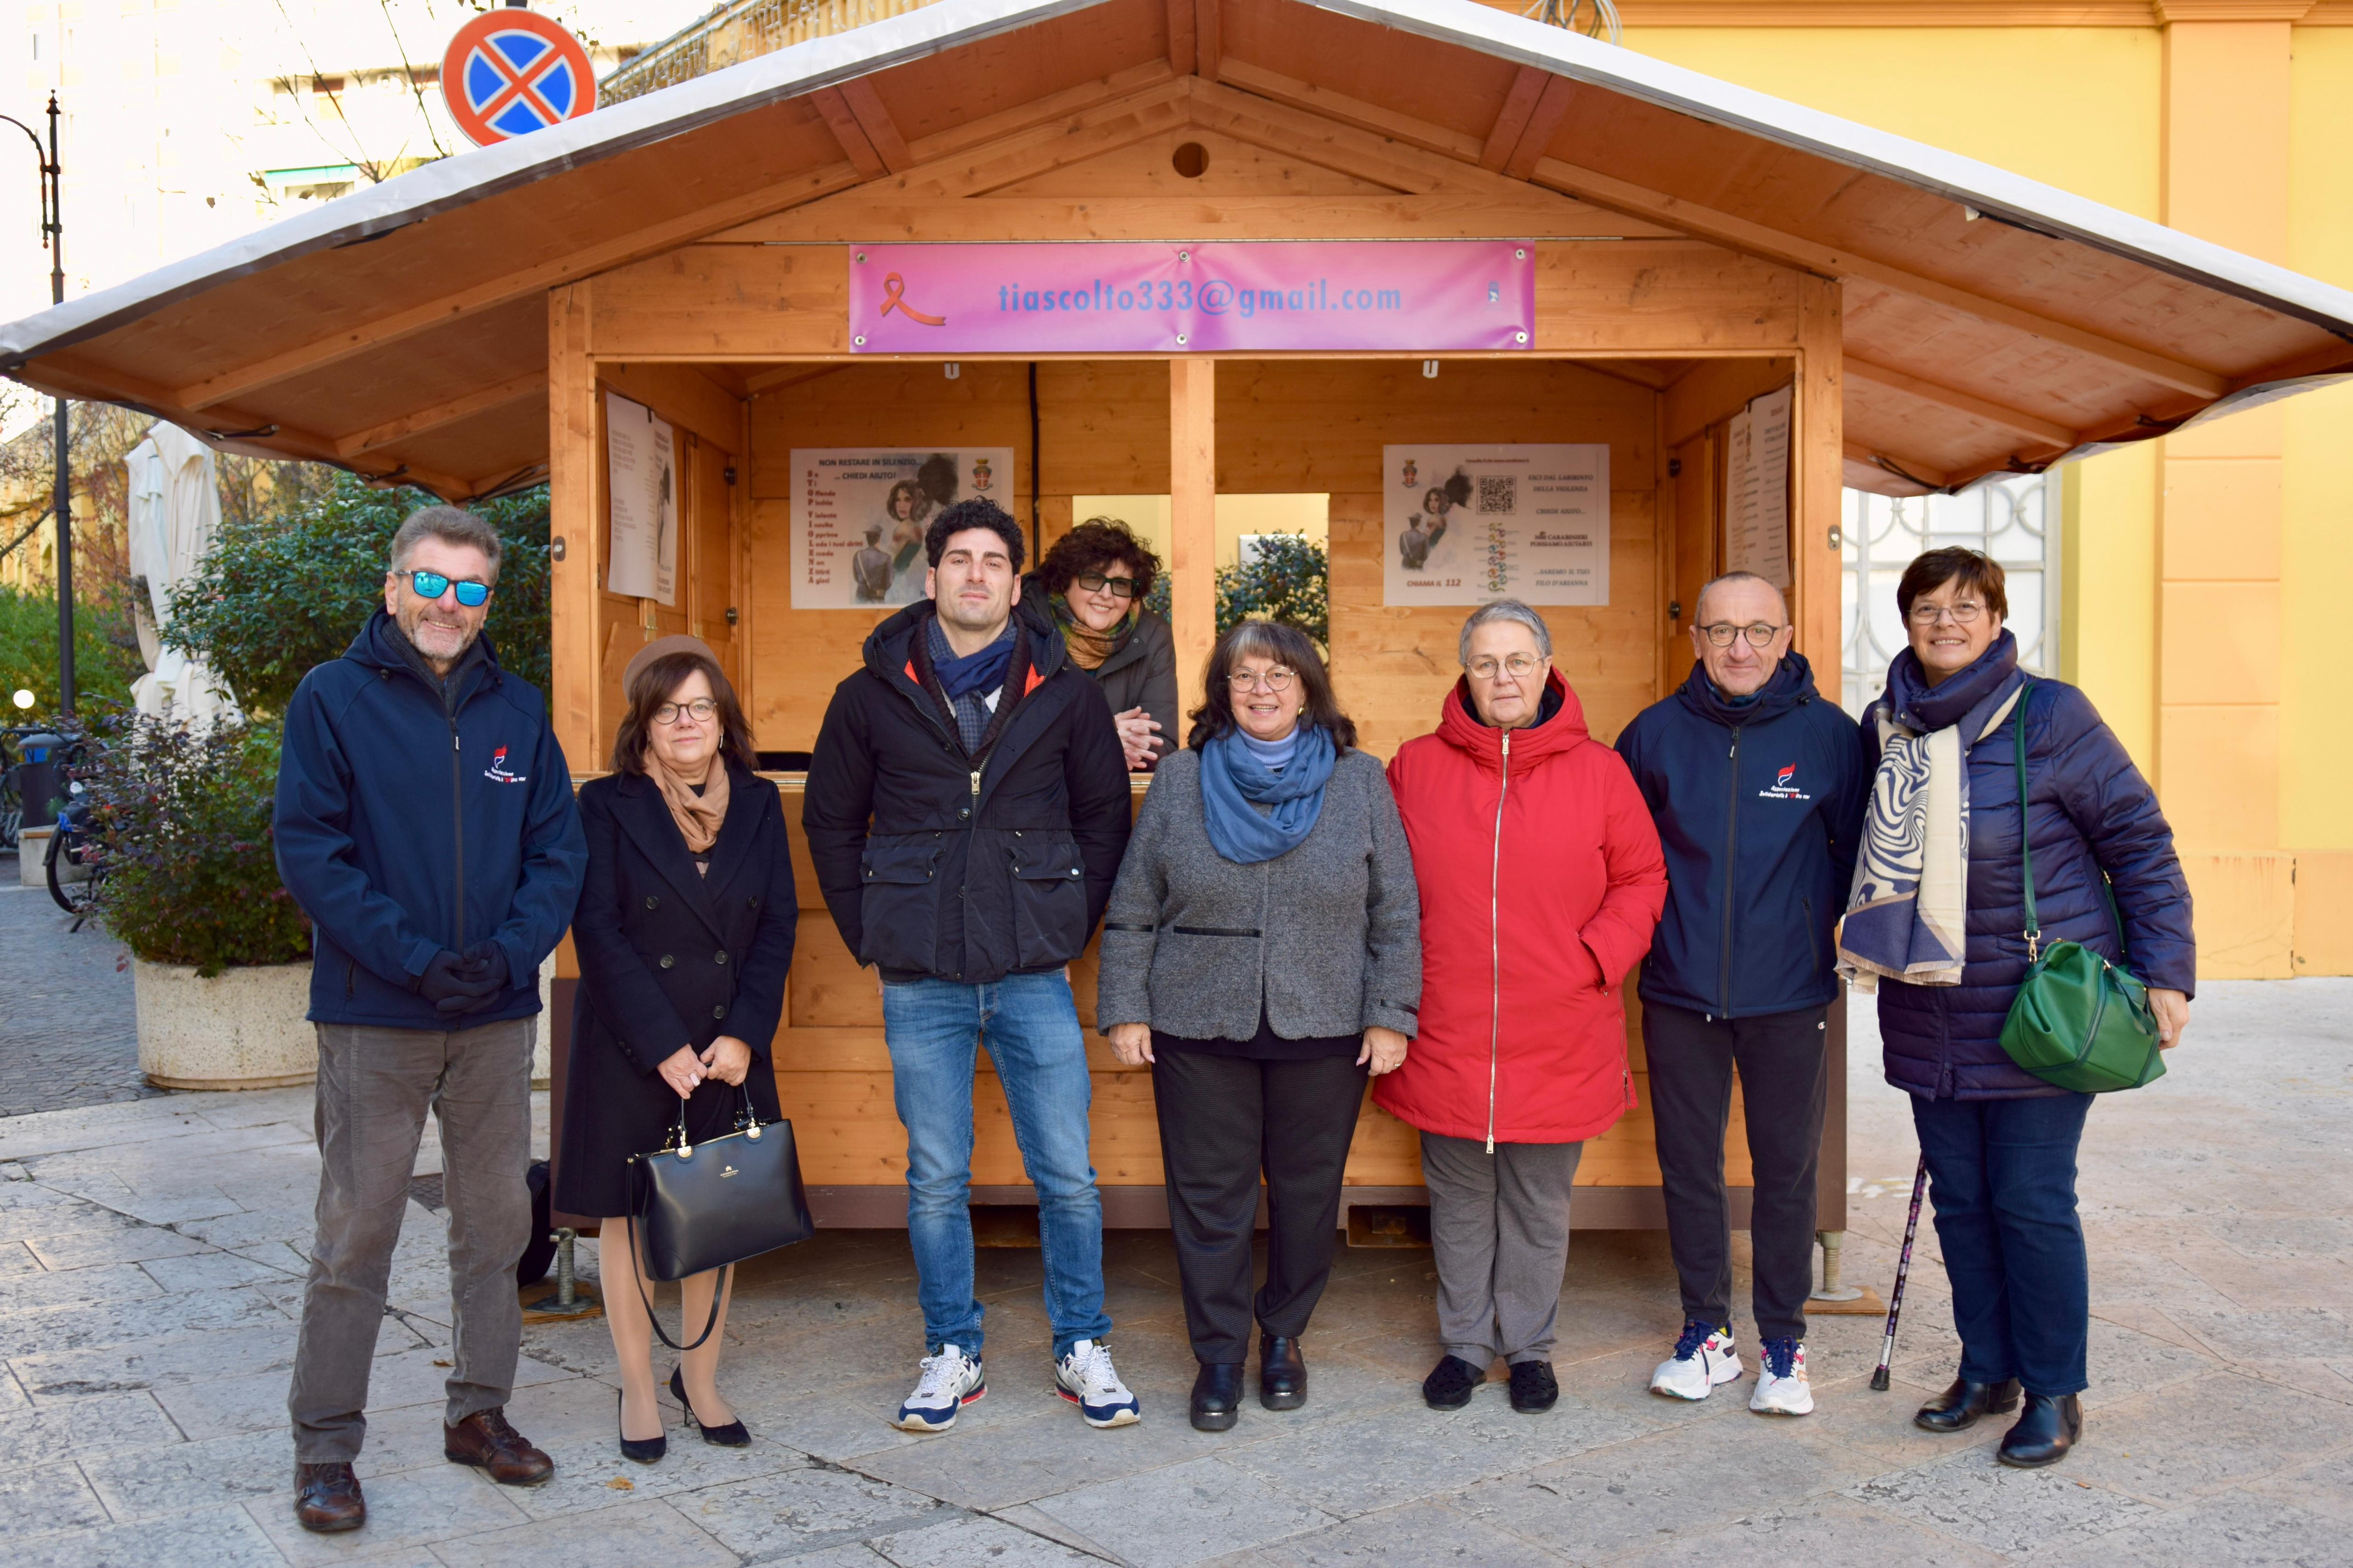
1783, 1086
1224, 1120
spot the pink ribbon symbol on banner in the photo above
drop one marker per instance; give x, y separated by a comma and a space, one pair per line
894, 297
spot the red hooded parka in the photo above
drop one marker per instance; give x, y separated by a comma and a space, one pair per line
1541, 881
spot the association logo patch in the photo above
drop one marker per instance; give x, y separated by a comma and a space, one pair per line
497, 772
1784, 785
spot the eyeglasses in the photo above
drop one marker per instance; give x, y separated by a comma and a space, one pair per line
1519, 666
700, 711
1277, 679
1096, 582
1758, 634
1964, 614
432, 585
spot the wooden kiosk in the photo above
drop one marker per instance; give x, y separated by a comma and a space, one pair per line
1696, 245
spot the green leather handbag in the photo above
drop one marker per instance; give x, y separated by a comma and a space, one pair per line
2078, 1021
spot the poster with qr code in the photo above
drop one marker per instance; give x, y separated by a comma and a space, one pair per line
1463, 525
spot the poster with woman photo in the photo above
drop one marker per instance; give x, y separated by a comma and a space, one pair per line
858, 517
1468, 524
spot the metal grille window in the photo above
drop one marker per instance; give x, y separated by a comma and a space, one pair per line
2015, 520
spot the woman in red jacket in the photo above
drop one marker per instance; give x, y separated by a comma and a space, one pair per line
1541, 881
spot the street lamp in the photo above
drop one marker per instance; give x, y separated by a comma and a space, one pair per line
53, 237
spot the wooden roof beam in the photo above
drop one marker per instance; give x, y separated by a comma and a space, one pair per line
882, 131
1207, 48
1624, 195
1557, 95
454, 411
2044, 432
854, 144
1264, 83
1181, 37
1512, 119
622, 249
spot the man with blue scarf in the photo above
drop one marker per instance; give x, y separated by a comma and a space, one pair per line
1758, 789
967, 810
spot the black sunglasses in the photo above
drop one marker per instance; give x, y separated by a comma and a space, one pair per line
1096, 582
433, 585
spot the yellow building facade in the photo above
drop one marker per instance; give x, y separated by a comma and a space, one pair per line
2198, 570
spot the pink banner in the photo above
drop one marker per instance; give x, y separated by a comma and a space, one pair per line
1418, 296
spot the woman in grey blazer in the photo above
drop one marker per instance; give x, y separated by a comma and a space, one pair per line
1263, 952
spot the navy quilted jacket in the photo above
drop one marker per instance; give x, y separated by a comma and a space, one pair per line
2090, 812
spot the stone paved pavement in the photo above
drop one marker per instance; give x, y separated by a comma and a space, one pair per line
149, 1273
66, 1020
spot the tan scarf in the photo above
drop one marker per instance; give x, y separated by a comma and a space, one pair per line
698, 815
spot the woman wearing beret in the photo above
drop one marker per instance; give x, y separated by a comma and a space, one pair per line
684, 934
1262, 953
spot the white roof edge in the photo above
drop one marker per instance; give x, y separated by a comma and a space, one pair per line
949, 24
1997, 191
470, 175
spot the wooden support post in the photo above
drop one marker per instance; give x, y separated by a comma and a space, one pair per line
1193, 520
576, 516
1817, 462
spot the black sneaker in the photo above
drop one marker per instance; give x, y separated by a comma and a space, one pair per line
1449, 1383
1534, 1387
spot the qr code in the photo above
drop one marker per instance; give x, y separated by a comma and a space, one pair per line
1499, 494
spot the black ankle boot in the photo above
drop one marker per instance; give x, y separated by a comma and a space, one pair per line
1281, 1373
1957, 1408
1217, 1397
2046, 1429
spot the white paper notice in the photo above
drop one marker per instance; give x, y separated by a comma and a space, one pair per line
858, 517
1756, 489
1467, 524
641, 474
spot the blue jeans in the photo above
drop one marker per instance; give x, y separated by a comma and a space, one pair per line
2002, 1178
1031, 1027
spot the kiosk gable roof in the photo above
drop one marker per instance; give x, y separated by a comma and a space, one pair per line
1990, 321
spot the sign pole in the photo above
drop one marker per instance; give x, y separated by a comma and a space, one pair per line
53, 174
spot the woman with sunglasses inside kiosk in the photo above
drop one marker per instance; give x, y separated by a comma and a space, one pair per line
1095, 580
684, 934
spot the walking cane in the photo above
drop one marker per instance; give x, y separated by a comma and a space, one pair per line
1902, 1272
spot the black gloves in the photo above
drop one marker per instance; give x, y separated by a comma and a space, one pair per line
455, 984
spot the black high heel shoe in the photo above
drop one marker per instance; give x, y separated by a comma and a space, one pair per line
732, 1435
644, 1450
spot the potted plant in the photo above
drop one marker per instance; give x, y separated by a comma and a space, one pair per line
220, 953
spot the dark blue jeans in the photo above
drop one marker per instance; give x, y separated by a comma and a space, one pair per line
2002, 1180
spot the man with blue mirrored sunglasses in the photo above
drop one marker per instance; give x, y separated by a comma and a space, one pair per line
425, 823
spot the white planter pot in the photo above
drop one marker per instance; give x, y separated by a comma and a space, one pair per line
243, 1028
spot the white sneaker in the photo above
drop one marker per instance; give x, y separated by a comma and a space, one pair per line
1087, 1379
1781, 1385
951, 1381
1703, 1359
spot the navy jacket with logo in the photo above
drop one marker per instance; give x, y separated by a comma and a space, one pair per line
1760, 811
405, 824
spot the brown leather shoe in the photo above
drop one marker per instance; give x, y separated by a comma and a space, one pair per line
485, 1441
327, 1499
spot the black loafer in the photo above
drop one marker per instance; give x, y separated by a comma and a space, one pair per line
1281, 1373
1449, 1383
2046, 1429
1957, 1408
1217, 1397
1534, 1390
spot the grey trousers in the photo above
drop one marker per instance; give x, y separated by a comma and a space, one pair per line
375, 1086
1499, 1225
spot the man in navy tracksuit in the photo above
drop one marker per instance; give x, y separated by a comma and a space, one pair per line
425, 823
1758, 787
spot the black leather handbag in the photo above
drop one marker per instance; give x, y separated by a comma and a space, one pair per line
697, 1206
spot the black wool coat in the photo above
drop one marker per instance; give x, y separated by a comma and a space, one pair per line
937, 864
669, 958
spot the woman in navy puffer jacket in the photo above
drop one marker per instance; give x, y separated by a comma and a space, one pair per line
1939, 917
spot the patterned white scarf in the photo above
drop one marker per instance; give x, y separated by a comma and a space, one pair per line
1908, 914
